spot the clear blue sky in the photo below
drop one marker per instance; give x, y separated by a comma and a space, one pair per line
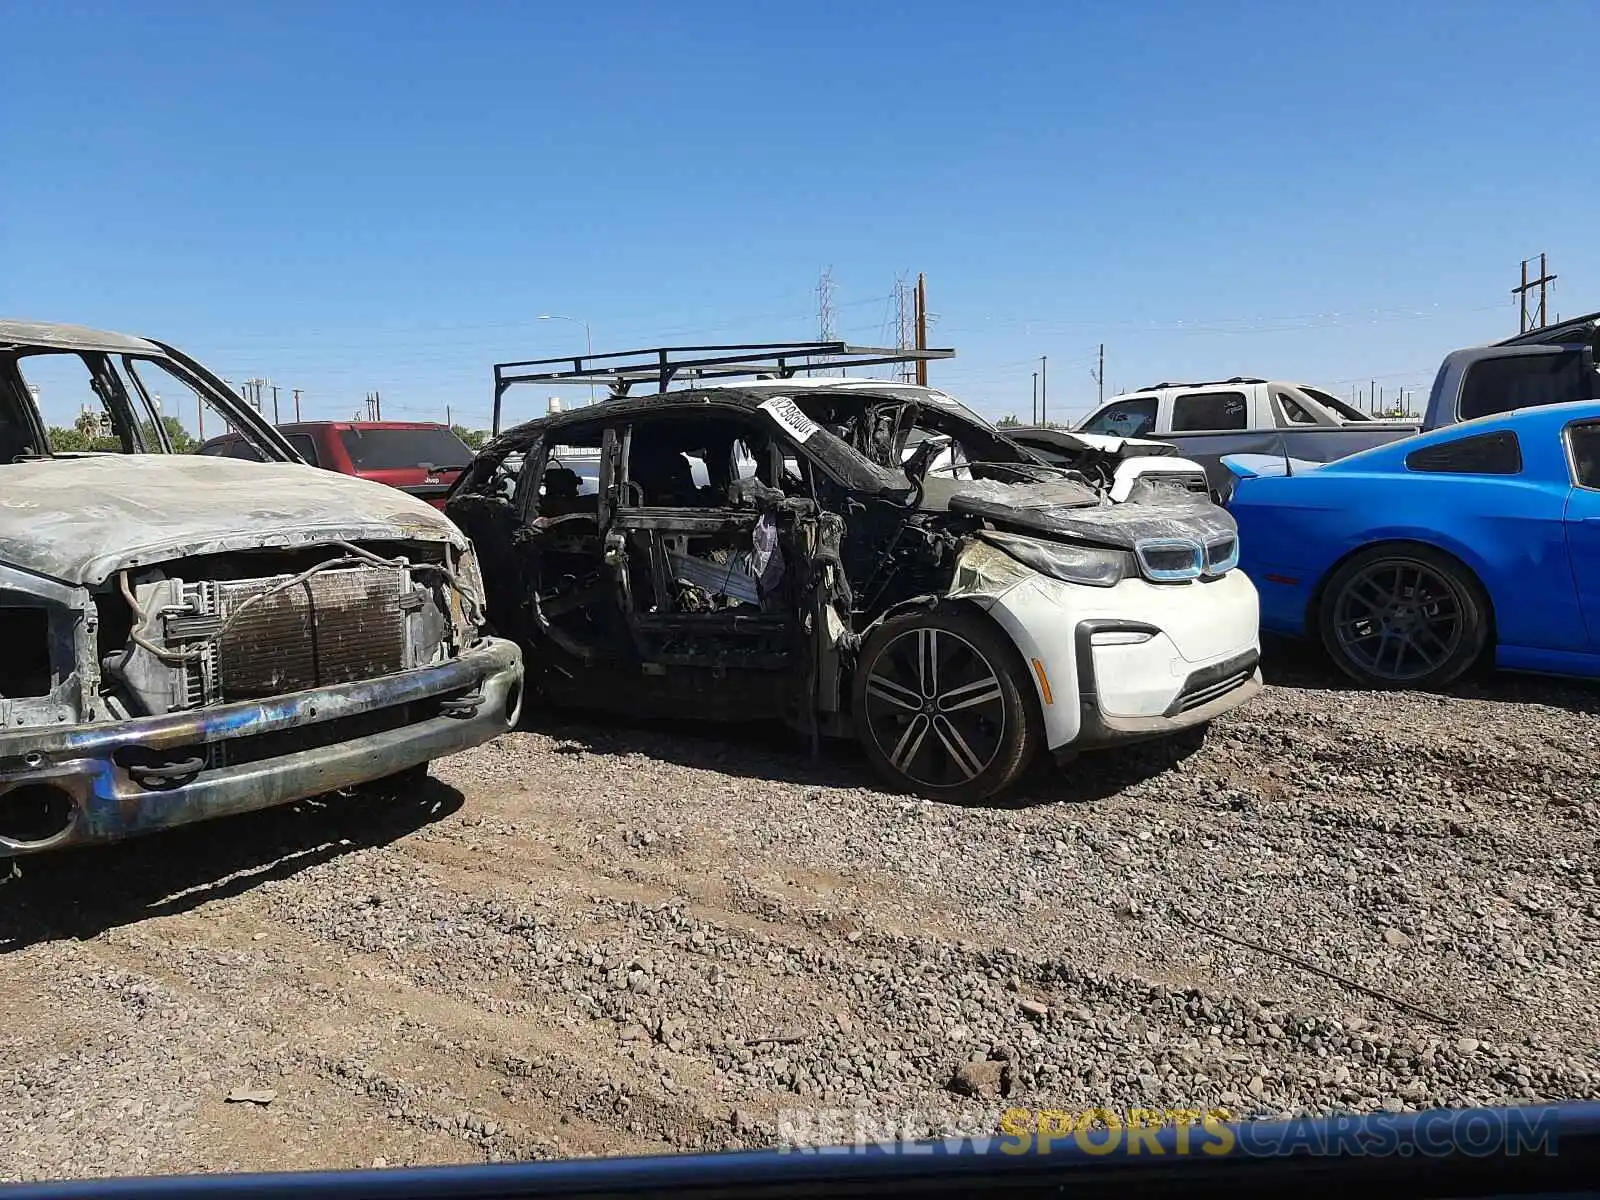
349, 196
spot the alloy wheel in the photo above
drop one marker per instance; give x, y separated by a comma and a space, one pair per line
935, 707
1398, 620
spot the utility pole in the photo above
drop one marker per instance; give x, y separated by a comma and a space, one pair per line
1044, 396
1543, 283
1036, 397
200, 415
377, 402
297, 405
1099, 376
447, 419
922, 328
274, 404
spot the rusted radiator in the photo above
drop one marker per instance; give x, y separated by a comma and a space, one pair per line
337, 627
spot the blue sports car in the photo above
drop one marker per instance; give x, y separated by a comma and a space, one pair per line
1413, 561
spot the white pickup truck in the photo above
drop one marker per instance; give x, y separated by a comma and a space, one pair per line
1240, 416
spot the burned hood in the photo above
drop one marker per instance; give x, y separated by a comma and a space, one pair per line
1069, 510
78, 520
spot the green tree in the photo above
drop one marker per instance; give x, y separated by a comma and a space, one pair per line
474, 438
1008, 422
86, 433
182, 441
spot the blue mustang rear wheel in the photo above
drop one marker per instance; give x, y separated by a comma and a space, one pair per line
1403, 616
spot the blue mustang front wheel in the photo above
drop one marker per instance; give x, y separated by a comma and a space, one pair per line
1404, 616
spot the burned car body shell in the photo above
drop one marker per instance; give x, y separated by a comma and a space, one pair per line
654, 593
190, 636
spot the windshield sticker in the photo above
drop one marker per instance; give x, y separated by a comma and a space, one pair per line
790, 419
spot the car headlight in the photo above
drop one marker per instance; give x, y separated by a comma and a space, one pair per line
1062, 560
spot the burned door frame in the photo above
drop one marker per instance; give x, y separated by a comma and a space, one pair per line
121, 409
746, 664
532, 527
132, 410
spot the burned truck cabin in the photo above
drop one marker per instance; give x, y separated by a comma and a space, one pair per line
191, 636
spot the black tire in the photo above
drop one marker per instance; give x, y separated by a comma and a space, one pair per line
1403, 616
963, 759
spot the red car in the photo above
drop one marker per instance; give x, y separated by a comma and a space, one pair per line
419, 457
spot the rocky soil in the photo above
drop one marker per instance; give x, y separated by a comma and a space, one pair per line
587, 939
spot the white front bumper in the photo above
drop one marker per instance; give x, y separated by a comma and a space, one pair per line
1187, 652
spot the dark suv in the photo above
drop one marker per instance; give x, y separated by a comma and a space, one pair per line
419, 457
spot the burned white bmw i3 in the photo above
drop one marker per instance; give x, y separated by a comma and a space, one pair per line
859, 558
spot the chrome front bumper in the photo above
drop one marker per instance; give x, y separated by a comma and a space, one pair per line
118, 779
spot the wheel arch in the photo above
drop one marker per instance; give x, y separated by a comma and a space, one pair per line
1019, 660
1314, 604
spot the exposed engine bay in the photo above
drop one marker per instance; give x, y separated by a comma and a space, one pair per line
223, 628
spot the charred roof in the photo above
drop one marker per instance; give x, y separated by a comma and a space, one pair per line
18, 333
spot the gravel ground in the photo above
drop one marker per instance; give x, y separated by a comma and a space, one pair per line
587, 939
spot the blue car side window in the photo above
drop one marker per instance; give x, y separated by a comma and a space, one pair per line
1497, 453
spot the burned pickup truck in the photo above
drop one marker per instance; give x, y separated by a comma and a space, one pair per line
857, 558
189, 636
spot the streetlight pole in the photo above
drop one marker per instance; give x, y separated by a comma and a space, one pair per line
588, 340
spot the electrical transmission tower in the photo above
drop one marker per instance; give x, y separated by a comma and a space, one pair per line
905, 324
825, 308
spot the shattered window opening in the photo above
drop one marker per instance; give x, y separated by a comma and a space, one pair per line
70, 397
